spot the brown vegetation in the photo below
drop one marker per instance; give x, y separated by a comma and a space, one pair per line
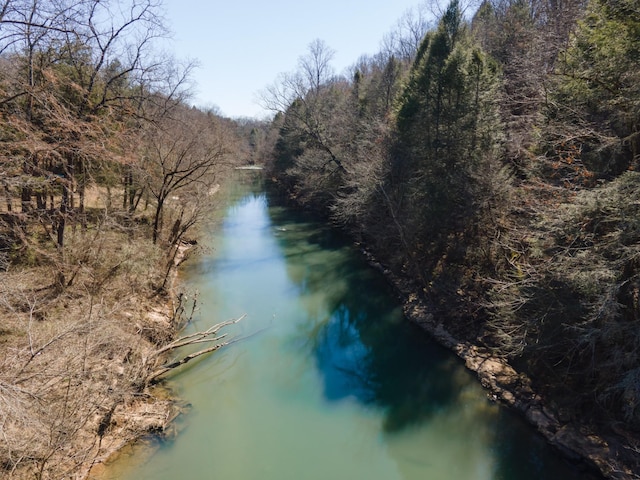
104, 173
72, 361
80, 364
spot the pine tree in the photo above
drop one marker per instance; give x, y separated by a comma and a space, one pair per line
447, 124
599, 87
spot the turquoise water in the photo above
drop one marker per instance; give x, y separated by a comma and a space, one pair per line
327, 380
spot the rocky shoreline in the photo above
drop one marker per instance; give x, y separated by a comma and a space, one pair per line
611, 455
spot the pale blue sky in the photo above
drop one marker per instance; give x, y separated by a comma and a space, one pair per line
242, 45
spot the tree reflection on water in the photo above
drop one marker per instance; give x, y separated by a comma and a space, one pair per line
365, 350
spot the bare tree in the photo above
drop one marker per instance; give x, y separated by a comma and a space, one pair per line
182, 152
403, 41
309, 96
87, 65
315, 66
305, 84
116, 40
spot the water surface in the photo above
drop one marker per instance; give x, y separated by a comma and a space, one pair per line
328, 380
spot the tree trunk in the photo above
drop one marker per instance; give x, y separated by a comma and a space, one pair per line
62, 215
157, 220
7, 193
134, 207
127, 181
26, 199
82, 187
132, 196
41, 200
60, 227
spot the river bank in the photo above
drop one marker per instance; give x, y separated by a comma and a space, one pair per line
155, 416
610, 454
152, 411
325, 354
76, 359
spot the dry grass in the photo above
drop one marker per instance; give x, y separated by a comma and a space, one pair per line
74, 362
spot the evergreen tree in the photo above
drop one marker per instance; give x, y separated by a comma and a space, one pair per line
599, 87
447, 125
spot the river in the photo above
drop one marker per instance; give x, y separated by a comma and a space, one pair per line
327, 380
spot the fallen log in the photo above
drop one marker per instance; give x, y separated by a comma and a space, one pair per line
191, 339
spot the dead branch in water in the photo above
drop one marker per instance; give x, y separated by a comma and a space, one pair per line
191, 339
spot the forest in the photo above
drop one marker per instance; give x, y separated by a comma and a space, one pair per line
487, 155
490, 159
105, 173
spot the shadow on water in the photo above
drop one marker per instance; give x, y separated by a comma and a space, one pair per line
365, 350
336, 372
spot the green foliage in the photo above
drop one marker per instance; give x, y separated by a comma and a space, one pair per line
376, 91
599, 86
289, 145
448, 126
502, 183
574, 316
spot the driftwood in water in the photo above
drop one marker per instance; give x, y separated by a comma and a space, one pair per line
206, 336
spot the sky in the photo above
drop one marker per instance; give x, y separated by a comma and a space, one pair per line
242, 45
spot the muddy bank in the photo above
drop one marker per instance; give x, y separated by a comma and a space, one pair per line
611, 454
149, 412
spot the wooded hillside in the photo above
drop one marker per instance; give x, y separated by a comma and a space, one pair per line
104, 172
494, 163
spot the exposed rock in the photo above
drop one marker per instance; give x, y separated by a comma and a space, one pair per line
577, 442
